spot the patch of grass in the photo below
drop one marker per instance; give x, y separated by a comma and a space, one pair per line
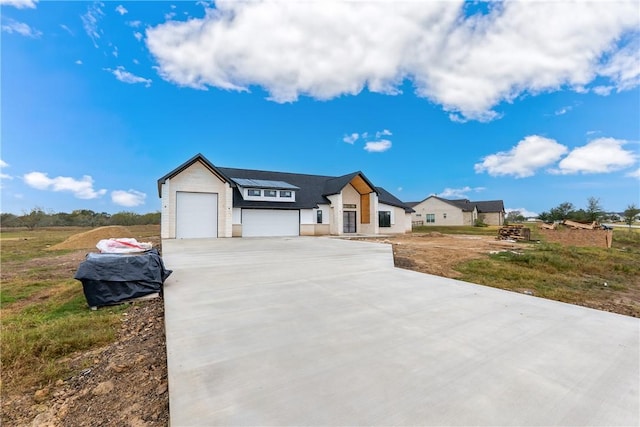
45, 317
476, 231
565, 273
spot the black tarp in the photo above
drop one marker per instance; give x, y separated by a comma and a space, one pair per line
113, 278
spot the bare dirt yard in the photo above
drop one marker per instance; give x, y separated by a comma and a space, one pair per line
438, 254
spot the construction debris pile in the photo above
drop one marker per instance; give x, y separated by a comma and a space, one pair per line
575, 233
574, 225
514, 232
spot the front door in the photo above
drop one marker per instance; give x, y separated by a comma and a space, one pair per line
349, 221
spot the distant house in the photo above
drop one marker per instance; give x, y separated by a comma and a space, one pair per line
438, 211
203, 200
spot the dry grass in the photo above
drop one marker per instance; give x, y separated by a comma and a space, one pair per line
44, 314
606, 279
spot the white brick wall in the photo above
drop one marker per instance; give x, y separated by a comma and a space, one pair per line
196, 178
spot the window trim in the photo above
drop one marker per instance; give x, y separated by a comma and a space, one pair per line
270, 193
253, 192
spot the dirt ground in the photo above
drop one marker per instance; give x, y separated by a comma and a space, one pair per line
125, 383
437, 253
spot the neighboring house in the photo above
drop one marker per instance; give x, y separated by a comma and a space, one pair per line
438, 211
203, 200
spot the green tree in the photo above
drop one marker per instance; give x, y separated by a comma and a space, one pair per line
561, 212
34, 218
594, 210
630, 214
515, 216
545, 216
9, 220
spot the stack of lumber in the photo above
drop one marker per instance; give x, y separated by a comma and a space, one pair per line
579, 225
551, 226
514, 232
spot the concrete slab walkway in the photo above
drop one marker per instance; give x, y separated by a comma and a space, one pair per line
326, 332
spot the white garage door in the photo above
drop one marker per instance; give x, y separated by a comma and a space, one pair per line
196, 215
262, 222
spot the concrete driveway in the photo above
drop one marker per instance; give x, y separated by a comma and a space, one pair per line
326, 332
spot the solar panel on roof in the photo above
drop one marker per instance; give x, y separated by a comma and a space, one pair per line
264, 183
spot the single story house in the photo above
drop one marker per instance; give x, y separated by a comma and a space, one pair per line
202, 200
438, 211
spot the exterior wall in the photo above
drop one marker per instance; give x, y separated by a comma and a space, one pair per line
493, 218
335, 222
374, 207
407, 222
198, 179
398, 219
165, 219
236, 217
454, 215
469, 218
306, 216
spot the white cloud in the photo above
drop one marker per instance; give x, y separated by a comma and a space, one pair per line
90, 21
4, 164
350, 139
67, 29
21, 28
529, 155
20, 4
384, 132
623, 67
377, 146
137, 35
81, 189
601, 155
634, 174
134, 24
79, 62
126, 77
328, 49
128, 198
603, 90
121, 9
115, 51
563, 110
458, 193
524, 212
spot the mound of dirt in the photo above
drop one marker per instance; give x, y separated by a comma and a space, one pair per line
89, 239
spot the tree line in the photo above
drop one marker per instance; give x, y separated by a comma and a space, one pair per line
37, 217
593, 211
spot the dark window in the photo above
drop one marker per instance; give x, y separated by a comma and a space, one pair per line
285, 193
270, 193
444, 215
431, 218
319, 217
384, 219
251, 192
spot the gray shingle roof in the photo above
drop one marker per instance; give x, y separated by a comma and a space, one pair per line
466, 205
311, 189
389, 199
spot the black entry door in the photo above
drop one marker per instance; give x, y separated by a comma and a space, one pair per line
349, 220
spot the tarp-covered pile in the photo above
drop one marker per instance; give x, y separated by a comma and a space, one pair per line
113, 278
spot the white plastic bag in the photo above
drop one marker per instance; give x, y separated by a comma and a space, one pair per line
122, 245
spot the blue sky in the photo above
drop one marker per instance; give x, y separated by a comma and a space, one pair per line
535, 103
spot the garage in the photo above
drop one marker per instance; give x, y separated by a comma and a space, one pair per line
196, 215
263, 222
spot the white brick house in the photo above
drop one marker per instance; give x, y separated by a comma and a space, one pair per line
203, 200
